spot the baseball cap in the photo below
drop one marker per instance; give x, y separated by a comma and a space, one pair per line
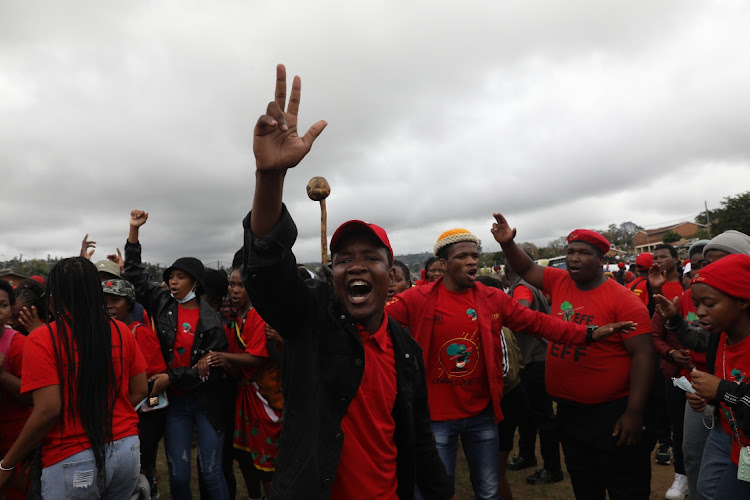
355, 226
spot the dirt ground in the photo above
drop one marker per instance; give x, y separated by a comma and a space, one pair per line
661, 479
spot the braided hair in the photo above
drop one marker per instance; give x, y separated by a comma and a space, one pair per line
77, 304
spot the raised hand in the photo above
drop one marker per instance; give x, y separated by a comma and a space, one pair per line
664, 307
276, 143
138, 218
117, 259
85, 246
657, 277
501, 230
29, 318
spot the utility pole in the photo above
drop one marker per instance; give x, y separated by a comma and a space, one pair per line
708, 219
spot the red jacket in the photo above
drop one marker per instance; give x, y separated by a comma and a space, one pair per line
415, 308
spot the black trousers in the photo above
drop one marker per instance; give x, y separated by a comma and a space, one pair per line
540, 418
675, 399
151, 430
594, 461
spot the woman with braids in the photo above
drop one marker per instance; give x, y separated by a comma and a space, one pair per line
90, 445
187, 328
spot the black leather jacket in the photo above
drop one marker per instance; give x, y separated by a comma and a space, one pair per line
209, 335
321, 372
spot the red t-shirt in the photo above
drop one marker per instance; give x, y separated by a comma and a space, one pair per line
687, 311
640, 288
187, 324
672, 289
733, 364
522, 292
457, 385
40, 370
150, 348
13, 415
252, 334
367, 465
599, 372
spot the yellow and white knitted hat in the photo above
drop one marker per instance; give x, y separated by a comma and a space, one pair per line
454, 236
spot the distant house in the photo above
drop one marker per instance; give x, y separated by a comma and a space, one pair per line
12, 277
646, 240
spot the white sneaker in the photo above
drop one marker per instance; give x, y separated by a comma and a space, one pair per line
679, 488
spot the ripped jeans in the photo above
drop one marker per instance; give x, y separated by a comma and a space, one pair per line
75, 477
183, 414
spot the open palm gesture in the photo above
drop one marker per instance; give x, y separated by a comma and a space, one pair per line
501, 230
276, 143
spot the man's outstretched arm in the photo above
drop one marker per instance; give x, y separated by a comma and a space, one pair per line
530, 271
277, 147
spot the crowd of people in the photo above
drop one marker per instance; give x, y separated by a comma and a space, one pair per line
359, 381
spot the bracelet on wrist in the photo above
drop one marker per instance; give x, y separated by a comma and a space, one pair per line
5, 469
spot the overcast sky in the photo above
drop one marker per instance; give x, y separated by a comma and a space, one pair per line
558, 114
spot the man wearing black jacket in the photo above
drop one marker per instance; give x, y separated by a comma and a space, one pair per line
356, 420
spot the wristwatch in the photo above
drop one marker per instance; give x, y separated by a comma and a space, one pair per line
590, 329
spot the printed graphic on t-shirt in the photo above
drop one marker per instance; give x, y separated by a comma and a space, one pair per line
568, 313
691, 316
187, 328
458, 357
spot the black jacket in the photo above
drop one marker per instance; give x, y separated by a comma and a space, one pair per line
322, 369
209, 335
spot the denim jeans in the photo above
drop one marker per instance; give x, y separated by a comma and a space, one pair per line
731, 487
76, 478
183, 414
694, 435
716, 459
481, 446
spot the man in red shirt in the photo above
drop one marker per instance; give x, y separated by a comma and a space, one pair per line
601, 390
457, 322
664, 277
356, 421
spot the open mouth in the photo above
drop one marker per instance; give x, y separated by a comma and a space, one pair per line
358, 291
472, 273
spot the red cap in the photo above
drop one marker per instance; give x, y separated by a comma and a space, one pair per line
729, 275
354, 226
591, 237
621, 265
644, 261
38, 279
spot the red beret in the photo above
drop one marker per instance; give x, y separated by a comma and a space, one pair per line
644, 261
621, 265
729, 275
591, 237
